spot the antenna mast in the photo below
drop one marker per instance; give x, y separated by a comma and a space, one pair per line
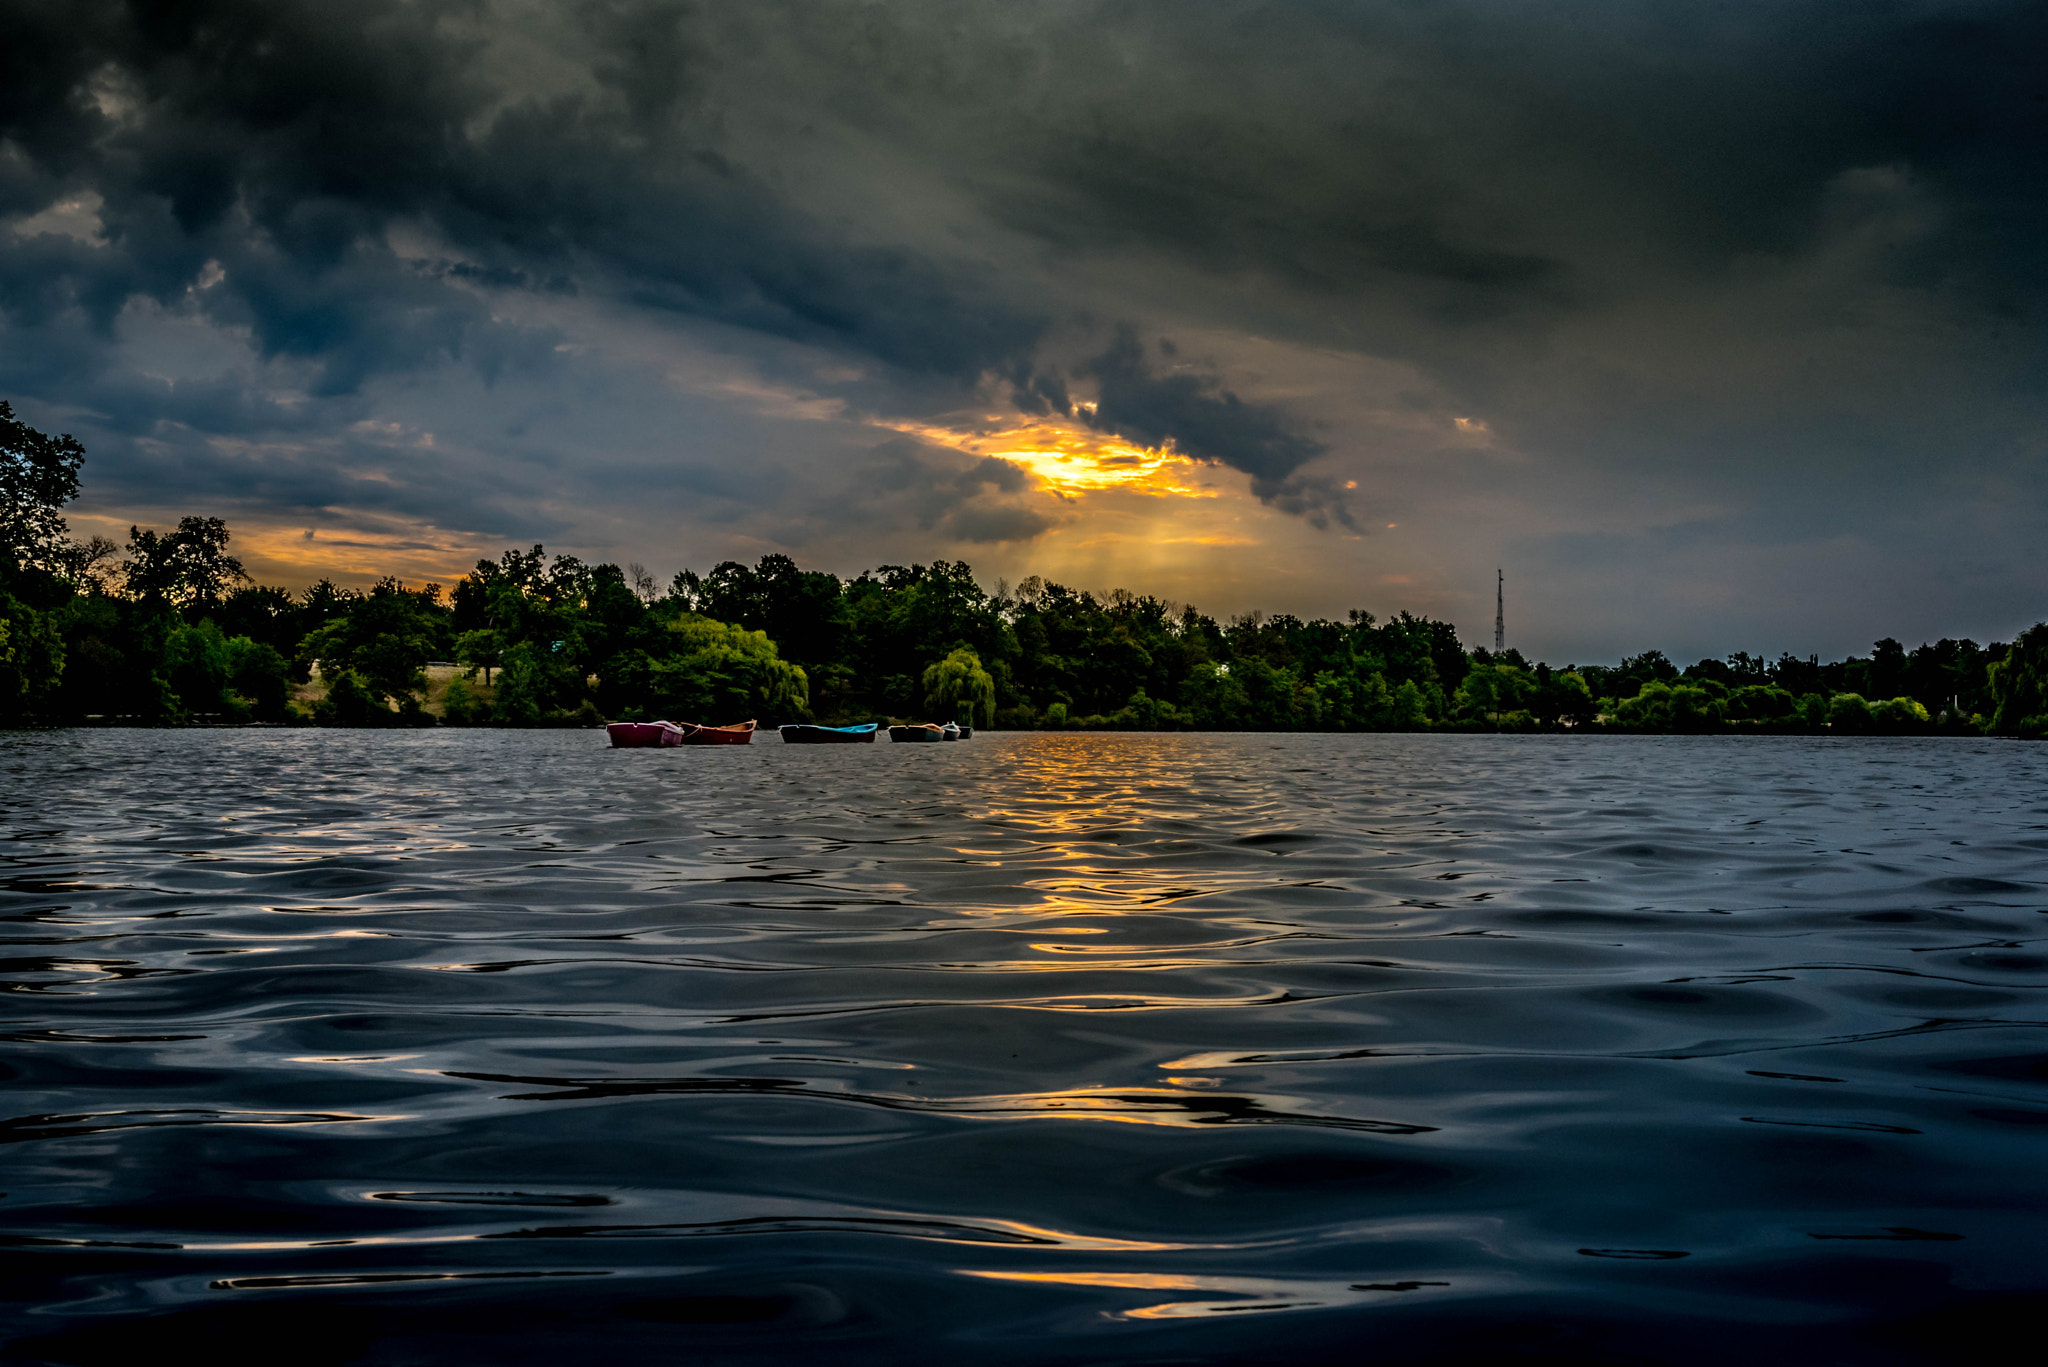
1500, 610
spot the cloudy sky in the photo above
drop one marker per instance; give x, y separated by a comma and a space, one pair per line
1717, 325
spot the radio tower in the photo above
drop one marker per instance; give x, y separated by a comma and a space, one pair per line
1500, 611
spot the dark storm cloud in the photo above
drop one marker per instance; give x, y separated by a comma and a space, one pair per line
281, 139
980, 501
277, 143
1546, 212
1207, 422
1485, 148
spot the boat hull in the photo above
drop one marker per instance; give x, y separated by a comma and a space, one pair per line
645, 735
738, 733
805, 734
916, 734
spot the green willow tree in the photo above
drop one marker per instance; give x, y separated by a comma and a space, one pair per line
2019, 686
958, 686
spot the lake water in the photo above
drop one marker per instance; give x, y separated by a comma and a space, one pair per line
505, 1047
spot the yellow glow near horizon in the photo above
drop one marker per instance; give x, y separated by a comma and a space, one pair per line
1072, 460
349, 552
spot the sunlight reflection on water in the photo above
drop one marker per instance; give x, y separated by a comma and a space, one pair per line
506, 1035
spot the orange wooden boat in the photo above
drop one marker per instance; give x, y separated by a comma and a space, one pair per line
737, 733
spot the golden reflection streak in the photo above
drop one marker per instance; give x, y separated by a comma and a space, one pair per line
1257, 1293
1040, 1234
1182, 1310
1124, 1001
1097, 961
1171, 1107
1101, 1243
1074, 959
1139, 1281
1267, 1058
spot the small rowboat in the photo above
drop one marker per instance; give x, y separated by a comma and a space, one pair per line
628, 735
951, 731
803, 733
923, 732
737, 733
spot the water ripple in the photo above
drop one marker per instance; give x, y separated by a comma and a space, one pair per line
1041, 1048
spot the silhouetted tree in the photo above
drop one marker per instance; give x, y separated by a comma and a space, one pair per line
188, 569
38, 476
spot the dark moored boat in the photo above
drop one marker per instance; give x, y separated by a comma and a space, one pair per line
629, 735
803, 733
950, 731
737, 733
922, 732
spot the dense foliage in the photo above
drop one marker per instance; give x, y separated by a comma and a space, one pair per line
174, 631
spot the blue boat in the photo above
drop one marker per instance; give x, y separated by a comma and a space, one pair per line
803, 733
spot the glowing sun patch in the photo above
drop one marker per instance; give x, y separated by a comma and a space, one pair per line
1075, 460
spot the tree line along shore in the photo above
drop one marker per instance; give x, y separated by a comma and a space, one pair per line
169, 630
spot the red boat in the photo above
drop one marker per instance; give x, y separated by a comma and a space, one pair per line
737, 733
628, 735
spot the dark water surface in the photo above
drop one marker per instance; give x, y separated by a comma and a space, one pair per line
505, 1047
